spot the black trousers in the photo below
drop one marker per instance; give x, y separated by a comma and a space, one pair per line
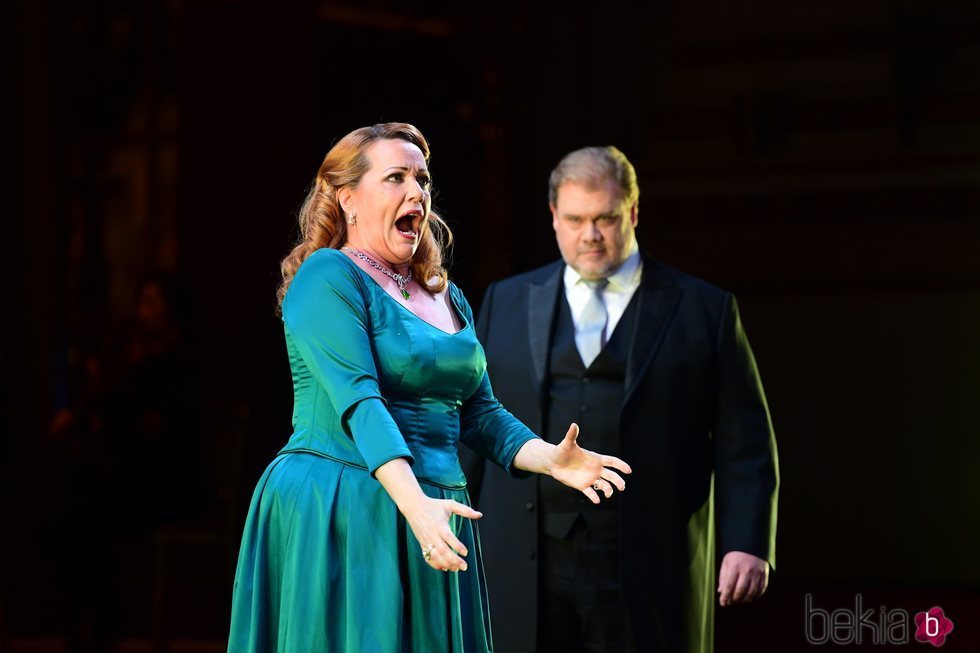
581, 606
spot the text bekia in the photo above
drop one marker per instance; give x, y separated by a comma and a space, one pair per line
882, 626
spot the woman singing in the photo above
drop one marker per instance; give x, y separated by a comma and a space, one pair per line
360, 535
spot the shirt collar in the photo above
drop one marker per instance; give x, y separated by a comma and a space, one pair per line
625, 276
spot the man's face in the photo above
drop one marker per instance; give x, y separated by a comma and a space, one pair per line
594, 228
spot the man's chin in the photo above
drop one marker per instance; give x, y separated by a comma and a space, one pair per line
592, 272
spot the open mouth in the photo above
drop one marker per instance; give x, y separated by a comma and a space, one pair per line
406, 224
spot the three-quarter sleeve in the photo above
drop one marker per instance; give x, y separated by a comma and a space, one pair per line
325, 313
486, 426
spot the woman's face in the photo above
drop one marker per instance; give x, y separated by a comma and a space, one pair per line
391, 202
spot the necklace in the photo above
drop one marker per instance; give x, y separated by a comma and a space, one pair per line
400, 279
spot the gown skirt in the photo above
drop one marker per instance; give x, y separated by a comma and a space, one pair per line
327, 562
326, 541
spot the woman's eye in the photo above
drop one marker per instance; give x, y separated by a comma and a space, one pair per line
425, 182
395, 177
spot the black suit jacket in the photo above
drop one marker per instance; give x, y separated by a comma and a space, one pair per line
694, 426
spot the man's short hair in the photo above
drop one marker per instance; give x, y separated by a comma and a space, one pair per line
592, 167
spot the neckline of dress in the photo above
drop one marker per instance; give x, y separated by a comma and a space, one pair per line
452, 300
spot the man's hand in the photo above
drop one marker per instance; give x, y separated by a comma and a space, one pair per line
743, 578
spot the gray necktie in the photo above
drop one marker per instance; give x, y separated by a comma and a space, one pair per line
591, 333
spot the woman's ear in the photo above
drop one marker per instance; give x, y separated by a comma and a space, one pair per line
344, 199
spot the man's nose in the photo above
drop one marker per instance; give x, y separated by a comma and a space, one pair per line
592, 233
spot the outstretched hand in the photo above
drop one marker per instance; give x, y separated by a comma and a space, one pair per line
585, 470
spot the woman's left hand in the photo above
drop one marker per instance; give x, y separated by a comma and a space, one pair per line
585, 470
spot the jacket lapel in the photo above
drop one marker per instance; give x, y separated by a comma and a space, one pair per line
658, 297
541, 301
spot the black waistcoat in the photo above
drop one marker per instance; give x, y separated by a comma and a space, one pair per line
592, 398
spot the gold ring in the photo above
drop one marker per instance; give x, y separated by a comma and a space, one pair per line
427, 552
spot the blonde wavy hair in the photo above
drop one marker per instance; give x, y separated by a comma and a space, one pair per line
321, 220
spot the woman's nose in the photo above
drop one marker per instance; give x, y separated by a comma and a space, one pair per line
417, 191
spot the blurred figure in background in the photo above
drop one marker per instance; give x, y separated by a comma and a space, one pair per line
126, 458
154, 412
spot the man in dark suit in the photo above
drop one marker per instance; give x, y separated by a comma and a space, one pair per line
655, 367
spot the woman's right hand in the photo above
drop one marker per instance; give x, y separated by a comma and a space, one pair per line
429, 519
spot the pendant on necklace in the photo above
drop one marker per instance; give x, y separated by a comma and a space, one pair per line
405, 293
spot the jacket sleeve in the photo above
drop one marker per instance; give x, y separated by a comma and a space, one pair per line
325, 312
487, 427
746, 462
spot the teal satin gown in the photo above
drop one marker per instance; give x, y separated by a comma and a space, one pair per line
327, 563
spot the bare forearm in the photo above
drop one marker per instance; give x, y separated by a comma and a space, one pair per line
535, 456
398, 480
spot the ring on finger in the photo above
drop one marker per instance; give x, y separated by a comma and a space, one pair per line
427, 552
596, 486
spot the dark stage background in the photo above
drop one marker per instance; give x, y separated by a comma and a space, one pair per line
821, 159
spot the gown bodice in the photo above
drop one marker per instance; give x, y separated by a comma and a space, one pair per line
423, 375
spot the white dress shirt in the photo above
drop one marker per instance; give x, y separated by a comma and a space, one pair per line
622, 284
